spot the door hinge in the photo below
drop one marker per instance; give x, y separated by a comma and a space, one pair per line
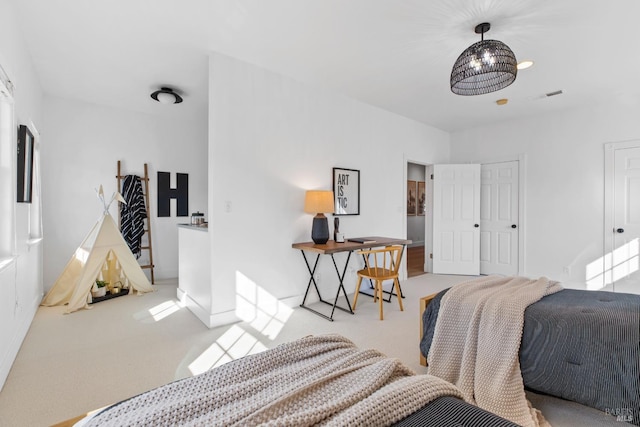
431, 176
431, 256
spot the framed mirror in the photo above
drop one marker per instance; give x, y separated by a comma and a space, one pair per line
25, 164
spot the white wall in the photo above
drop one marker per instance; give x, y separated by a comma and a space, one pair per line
564, 193
271, 138
21, 279
82, 144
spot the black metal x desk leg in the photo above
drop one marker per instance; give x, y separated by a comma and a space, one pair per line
312, 280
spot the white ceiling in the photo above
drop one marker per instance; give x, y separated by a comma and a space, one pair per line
394, 54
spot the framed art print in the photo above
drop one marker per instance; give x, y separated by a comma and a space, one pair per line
411, 197
422, 198
346, 191
25, 164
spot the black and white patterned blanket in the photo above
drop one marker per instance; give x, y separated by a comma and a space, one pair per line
132, 213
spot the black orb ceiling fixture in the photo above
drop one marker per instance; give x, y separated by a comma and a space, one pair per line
166, 96
484, 67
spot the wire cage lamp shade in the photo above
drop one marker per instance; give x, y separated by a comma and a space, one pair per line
484, 67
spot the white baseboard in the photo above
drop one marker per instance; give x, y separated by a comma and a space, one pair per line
292, 302
211, 320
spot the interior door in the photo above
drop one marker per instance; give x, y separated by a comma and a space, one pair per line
499, 228
625, 274
456, 219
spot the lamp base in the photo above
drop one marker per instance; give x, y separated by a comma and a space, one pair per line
320, 230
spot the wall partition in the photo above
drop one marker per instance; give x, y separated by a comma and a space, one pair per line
7, 178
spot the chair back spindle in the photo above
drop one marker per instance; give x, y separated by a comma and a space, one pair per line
385, 266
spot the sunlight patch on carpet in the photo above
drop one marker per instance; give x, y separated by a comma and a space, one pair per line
163, 310
233, 344
259, 308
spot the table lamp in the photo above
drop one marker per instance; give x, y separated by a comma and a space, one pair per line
319, 202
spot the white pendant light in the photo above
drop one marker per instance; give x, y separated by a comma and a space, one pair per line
166, 96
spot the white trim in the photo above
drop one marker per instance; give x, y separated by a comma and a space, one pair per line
34, 241
6, 85
35, 208
8, 187
428, 246
522, 210
291, 302
608, 206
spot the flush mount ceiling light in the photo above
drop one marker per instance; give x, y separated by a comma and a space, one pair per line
484, 67
166, 96
523, 65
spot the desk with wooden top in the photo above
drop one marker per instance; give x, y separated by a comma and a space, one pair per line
331, 248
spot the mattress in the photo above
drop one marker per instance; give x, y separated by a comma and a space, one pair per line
449, 411
582, 346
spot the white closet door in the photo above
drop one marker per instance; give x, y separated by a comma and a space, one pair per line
456, 219
624, 270
499, 226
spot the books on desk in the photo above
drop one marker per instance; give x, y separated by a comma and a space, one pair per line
363, 240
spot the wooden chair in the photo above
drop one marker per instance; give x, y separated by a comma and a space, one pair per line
380, 265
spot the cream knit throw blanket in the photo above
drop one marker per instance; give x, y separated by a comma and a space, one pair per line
477, 339
314, 380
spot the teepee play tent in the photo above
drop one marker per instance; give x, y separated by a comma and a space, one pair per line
102, 255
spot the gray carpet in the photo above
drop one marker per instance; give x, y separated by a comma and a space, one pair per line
71, 364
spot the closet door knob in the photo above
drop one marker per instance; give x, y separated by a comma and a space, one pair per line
513, 226
620, 230
476, 225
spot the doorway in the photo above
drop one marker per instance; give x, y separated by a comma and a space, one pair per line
495, 224
620, 268
417, 218
476, 218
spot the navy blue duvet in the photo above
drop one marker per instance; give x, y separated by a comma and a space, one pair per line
582, 346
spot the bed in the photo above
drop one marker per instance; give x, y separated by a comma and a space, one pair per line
582, 346
322, 379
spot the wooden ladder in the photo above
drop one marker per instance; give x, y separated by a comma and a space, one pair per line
147, 230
